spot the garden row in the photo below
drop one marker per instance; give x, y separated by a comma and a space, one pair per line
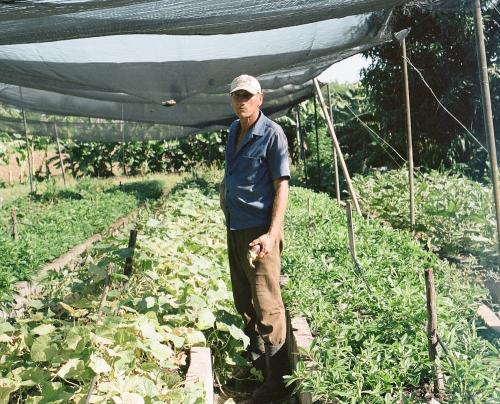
49, 224
130, 337
454, 215
371, 344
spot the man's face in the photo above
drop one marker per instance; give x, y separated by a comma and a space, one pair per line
245, 104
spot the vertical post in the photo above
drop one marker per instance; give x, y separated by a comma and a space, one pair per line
337, 147
335, 159
27, 139
122, 126
127, 271
409, 137
60, 154
317, 141
350, 228
300, 135
14, 224
432, 333
309, 210
487, 112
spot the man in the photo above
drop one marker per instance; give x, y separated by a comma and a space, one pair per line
254, 196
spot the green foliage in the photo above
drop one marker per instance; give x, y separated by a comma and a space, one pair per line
371, 347
442, 46
51, 223
178, 297
454, 215
181, 155
360, 147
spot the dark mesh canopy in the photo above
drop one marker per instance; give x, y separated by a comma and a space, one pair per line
171, 62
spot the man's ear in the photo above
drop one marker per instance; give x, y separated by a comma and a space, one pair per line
261, 99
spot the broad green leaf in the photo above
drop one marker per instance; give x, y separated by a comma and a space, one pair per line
176, 340
160, 351
195, 338
43, 349
55, 392
128, 398
6, 327
34, 376
99, 365
72, 369
206, 319
43, 329
7, 387
238, 333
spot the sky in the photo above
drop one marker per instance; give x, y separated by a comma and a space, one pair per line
345, 71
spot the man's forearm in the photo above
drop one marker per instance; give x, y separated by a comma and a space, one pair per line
279, 207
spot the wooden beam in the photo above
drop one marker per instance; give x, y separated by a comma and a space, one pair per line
487, 111
337, 146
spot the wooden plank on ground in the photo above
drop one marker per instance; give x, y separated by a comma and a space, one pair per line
301, 338
200, 369
489, 317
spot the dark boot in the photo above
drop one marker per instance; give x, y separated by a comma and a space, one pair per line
273, 388
256, 350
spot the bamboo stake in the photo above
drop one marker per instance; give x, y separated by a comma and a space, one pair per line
335, 159
409, 137
122, 127
352, 246
27, 139
302, 144
350, 228
14, 224
432, 333
127, 271
487, 111
317, 141
337, 146
60, 154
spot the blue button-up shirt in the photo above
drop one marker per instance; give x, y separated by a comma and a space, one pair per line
250, 172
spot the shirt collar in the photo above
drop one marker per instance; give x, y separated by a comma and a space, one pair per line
258, 125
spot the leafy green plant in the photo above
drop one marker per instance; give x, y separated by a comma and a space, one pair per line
52, 223
178, 297
454, 214
371, 344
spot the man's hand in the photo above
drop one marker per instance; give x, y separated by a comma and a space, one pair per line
267, 242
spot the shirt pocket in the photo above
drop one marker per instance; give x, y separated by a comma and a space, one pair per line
249, 168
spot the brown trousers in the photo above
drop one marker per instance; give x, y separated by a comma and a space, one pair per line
256, 291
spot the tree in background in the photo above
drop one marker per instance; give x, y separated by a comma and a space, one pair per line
442, 47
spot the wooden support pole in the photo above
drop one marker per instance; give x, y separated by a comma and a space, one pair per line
60, 154
107, 284
350, 229
300, 136
487, 111
335, 159
14, 224
318, 164
432, 333
337, 146
27, 140
122, 127
127, 271
409, 137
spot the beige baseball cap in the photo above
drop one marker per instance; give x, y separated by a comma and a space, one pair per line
247, 83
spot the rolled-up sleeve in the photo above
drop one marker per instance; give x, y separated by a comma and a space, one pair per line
277, 156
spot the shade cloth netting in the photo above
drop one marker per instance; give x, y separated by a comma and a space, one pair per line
125, 59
